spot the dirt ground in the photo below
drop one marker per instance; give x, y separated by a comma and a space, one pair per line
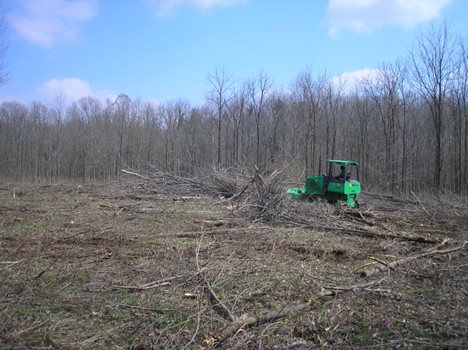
115, 266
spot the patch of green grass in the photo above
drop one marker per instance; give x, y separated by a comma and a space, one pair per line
363, 336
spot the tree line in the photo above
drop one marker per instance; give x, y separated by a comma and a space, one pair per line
407, 125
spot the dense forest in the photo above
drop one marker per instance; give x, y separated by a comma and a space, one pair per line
407, 125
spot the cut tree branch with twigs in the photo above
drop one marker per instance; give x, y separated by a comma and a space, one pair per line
246, 321
434, 251
159, 283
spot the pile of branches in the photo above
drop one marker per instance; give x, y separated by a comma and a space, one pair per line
223, 183
263, 199
257, 197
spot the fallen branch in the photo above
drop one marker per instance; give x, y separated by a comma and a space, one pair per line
237, 195
361, 286
159, 283
359, 216
215, 223
366, 233
45, 270
186, 198
382, 268
246, 321
127, 306
134, 174
218, 232
82, 232
219, 305
19, 333
257, 178
144, 286
10, 263
422, 206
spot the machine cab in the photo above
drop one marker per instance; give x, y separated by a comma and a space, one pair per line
342, 177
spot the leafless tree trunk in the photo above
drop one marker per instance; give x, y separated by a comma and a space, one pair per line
310, 95
258, 95
432, 69
460, 114
334, 109
237, 110
222, 82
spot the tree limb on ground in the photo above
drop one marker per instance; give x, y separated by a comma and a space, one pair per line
218, 304
366, 233
19, 333
159, 283
422, 206
434, 251
246, 321
364, 286
134, 174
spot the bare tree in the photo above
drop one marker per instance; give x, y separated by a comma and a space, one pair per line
335, 102
361, 114
58, 111
222, 82
460, 116
258, 95
276, 128
39, 140
384, 91
152, 126
122, 113
174, 116
432, 68
237, 110
90, 110
310, 97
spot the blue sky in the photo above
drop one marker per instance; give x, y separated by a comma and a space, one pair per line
163, 50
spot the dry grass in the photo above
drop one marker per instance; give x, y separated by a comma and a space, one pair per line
125, 265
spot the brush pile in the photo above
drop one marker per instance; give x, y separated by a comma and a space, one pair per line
215, 183
263, 198
257, 197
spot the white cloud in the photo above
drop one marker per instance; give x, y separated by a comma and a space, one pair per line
164, 8
210, 3
349, 81
51, 22
72, 89
366, 15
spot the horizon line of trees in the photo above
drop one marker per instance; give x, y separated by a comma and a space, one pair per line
407, 126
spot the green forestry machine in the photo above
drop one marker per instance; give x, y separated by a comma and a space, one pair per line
332, 188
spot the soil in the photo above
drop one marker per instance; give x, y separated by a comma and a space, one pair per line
116, 266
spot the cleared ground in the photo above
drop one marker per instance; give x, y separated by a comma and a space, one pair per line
118, 266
